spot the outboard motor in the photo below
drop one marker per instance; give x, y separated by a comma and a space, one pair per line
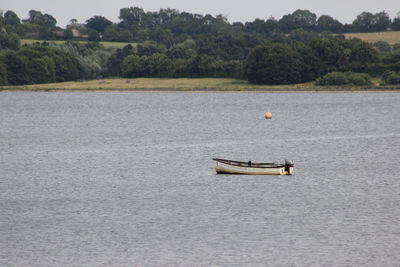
289, 166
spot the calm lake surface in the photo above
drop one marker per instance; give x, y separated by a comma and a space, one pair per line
126, 179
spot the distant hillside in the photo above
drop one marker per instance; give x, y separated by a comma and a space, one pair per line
298, 48
391, 38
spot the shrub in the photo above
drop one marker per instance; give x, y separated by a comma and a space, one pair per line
340, 78
358, 78
3, 74
386, 74
333, 78
391, 77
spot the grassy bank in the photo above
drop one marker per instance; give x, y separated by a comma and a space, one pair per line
392, 37
205, 84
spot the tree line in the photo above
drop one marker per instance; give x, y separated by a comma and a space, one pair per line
171, 26
38, 64
297, 48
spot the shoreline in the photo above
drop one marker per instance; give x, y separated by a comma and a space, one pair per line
188, 85
372, 90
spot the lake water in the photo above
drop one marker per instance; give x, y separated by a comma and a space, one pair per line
126, 179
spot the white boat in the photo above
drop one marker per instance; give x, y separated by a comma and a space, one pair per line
240, 167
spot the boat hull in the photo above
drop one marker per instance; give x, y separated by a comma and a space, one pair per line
224, 167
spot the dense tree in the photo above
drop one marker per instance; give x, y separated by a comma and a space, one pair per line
298, 19
156, 65
149, 48
301, 35
36, 17
381, 21
39, 64
16, 68
111, 34
67, 67
362, 52
10, 41
161, 35
131, 67
368, 22
257, 25
396, 24
98, 23
114, 62
327, 23
363, 22
274, 64
11, 18
131, 17
305, 19
159, 65
271, 25
92, 58
94, 36
49, 20
331, 53
233, 69
202, 66
42, 70
183, 50
46, 33
125, 36
312, 65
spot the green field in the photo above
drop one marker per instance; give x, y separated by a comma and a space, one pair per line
105, 44
183, 84
391, 37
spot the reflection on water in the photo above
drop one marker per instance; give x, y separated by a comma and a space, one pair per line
127, 179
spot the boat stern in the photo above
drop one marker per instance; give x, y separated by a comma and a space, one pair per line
289, 165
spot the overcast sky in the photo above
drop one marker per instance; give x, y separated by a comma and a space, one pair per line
65, 10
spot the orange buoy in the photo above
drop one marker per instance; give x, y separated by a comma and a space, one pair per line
268, 115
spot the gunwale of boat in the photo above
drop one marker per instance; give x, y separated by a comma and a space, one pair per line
246, 164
